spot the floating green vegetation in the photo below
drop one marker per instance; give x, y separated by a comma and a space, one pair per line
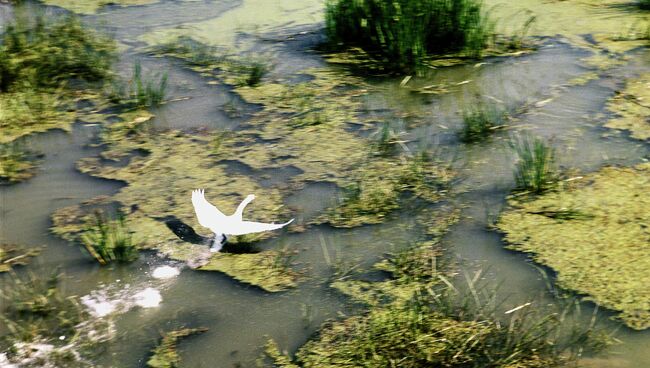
481, 120
13, 255
14, 164
632, 107
46, 328
600, 249
402, 34
92, 6
109, 240
36, 63
535, 167
271, 270
376, 191
165, 354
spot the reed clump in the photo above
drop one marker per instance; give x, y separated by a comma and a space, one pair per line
109, 240
481, 120
401, 34
141, 91
44, 52
449, 324
535, 167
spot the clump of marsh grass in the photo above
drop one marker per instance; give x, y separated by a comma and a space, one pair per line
387, 140
402, 34
38, 51
254, 72
140, 91
109, 240
449, 324
481, 120
535, 168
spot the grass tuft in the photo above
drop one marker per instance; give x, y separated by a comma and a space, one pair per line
401, 34
109, 240
15, 166
535, 168
480, 121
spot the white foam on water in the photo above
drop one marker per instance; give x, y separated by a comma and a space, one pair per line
99, 304
165, 272
148, 298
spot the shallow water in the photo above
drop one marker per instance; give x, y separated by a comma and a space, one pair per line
240, 317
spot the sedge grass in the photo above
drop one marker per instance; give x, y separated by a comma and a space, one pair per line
109, 240
402, 34
535, 167
480, 121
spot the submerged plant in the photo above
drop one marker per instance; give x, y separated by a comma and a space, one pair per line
109, 240
387, 140
165, 354
535, 168
480, 121
402, 34
146, 91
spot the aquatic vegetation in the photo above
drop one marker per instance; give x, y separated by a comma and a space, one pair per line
632, 108
165, 354
92, 6
402, 34
109, 240
140, 91
255, 72
44, 327
591, 250
535, 166
481, 120
13, 255
270, 270
27, 111
15, 166
36, 51
40, 59
420, 318
644, 4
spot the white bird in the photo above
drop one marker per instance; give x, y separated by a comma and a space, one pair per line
209, 216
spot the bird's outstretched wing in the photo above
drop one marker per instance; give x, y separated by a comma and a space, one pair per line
207, 214
248, 227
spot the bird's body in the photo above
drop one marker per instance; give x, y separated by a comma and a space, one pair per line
209, 216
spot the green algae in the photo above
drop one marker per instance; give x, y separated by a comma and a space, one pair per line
267, 269
165, 354
632, 107
253, 17
13, 255
600, 249
92, 6
27, 112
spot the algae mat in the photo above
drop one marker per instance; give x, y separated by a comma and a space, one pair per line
632, 105
595, 235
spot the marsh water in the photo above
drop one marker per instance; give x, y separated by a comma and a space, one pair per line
241, 318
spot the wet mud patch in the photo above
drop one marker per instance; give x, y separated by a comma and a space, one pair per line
594, 234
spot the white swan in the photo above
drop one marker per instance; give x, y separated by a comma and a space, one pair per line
209, 216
